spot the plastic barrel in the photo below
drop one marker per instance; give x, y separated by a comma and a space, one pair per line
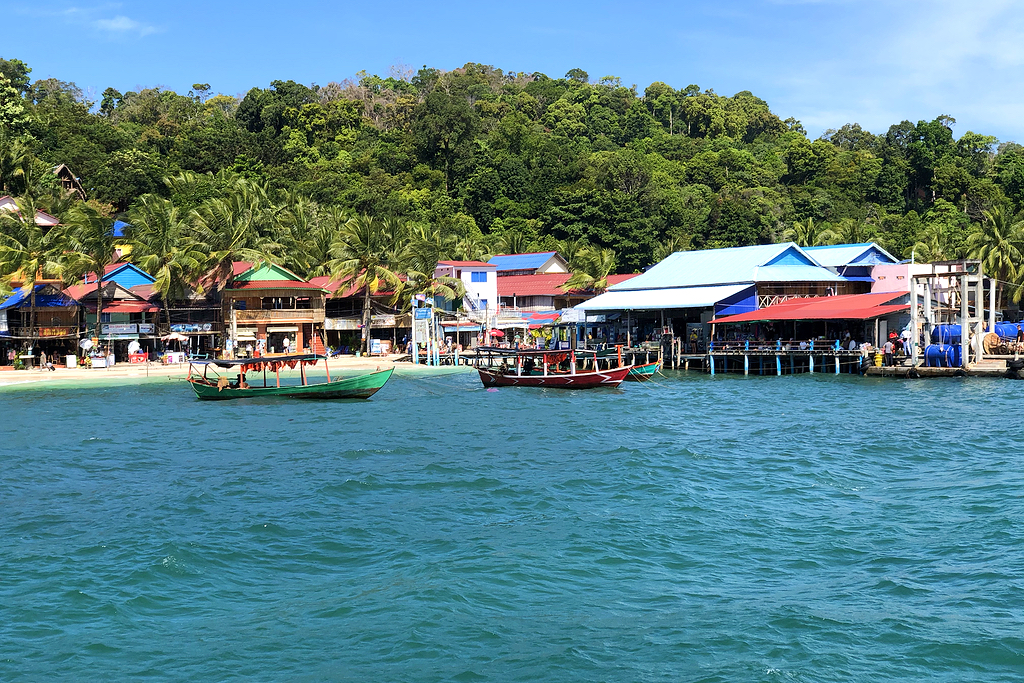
878, 360
946, 334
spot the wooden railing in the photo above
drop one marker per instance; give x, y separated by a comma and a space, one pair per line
315, 315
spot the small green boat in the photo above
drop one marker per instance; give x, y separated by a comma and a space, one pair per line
643, 373
221, 388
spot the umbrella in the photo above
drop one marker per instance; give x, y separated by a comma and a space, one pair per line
174, 336
497, 333
86, 344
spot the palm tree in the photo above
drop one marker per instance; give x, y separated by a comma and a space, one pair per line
163, 246
308, 230
27, 253
671, 246
424, 249
368, 253
595, 267
810, 234
999, 244
232, 229
89, 247
15, 165
513, 242
571, 250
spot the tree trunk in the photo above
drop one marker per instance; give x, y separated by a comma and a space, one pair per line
32, 319
99, 305
366, 322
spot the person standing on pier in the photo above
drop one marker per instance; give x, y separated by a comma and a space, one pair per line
888, 350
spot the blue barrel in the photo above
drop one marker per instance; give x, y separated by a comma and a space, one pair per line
947, 334
942, 356
1007, 330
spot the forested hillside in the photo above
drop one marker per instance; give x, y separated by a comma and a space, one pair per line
491, 161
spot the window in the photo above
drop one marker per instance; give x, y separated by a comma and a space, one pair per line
104, 317
478, 276
483, 304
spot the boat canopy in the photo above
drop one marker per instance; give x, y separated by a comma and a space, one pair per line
250, 364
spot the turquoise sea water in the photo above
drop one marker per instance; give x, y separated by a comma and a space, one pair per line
807, 528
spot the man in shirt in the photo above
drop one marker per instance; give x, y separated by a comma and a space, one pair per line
888, 350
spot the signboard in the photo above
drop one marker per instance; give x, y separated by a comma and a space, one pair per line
56, 331
599, 318
421, 297
186, 328
119, 328
384, 320
571, 315
421, 313
146, 328
375, 347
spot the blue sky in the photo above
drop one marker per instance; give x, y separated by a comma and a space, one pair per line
825, 62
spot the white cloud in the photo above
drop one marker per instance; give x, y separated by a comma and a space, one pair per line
122, 24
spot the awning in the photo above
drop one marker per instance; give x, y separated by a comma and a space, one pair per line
845, 307
656, 299
284, 328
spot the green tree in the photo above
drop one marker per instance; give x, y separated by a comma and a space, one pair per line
89, 246
999, 244
369, 254
28, 252
595, 265
163, 245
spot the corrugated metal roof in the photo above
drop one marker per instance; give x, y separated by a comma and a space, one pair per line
845, 307
521, 261
544, 284
654, 299
732, 265
835, 255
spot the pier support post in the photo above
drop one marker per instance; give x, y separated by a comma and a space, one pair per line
746, 364
712, 363
837, 365
792, 368
810, 364
778, 365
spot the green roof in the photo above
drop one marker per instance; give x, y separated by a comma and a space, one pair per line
268, 272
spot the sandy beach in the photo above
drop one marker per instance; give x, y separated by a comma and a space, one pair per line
127, 372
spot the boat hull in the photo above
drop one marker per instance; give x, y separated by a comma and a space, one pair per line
643, 373
358, 387
583, 380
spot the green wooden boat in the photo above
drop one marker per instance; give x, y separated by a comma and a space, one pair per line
207, 389
643, 373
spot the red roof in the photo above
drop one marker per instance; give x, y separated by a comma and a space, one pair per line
272, 284
845, 307
145, 291
239, 267
544, 284
126, 307
335, 286
466, 264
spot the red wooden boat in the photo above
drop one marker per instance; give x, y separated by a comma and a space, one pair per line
582, 380
557, 369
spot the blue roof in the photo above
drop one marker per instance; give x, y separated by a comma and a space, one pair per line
836, 255
21, 296
521, 261
119, 227
735, 265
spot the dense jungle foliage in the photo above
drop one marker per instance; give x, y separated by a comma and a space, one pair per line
484, 161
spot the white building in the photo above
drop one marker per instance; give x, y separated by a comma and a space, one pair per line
481, 280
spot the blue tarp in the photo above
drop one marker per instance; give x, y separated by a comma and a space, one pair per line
119, 227
20, 299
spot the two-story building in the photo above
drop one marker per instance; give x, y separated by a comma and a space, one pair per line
481, 283
265, 305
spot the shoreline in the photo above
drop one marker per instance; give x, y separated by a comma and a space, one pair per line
125, 373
